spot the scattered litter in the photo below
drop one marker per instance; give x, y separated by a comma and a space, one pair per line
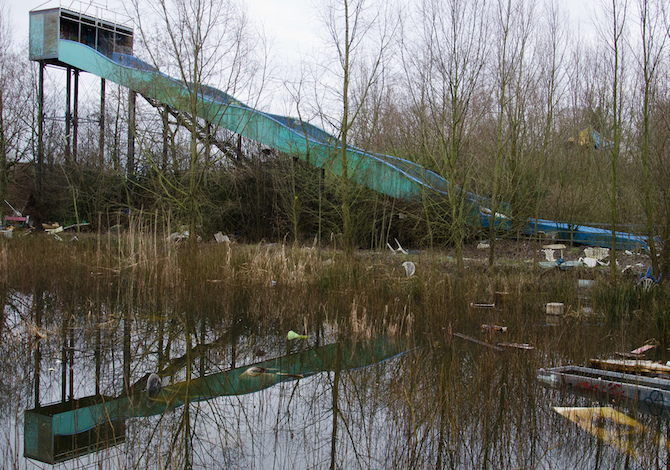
400, 248
273, 283
549, 254
547, 264
566, 265
501, 329
214, 281
586, 283
555, 308
549, 250
648, 280
473, 305
293, 335
410, 268
561, 264
596, 252
555, 246
589, 262
522, 346
79, 225
643, 349
221, 238
52, 231
477, 341
483, 245
638, 352
8, 233
176, 237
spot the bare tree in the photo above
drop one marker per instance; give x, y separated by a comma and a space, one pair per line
549, 93
513, 21
614, 37
14, 103
653, 47
204, 42
444, 71
361, 35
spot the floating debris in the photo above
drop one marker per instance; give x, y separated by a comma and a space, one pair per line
477, 341
522, 346
652, 392
610, 426
480, 305
154, 385
555, 308
498, 328
639, 367
293, 335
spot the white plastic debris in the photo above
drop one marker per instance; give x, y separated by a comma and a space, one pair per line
590, 262
221, 238
410, 268
596, 252
549, 254
555, 308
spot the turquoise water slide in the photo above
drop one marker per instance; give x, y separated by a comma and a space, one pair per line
74, 417
386, 174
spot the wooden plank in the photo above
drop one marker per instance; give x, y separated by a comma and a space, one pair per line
477, 341
524, 346
630, 366
473, 305
643, 349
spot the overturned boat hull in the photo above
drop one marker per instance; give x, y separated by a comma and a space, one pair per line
651, 394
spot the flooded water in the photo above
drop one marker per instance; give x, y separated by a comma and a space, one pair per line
231, 391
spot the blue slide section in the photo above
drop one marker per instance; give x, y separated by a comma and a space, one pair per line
386, 174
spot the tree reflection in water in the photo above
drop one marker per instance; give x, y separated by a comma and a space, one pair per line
342, 398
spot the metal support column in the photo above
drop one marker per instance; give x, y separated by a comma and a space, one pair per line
102, 124
40, 134
75, 117
68, 115
130, 163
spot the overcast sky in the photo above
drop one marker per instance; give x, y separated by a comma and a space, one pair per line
292, 25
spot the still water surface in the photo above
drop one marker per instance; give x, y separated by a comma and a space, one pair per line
236, 393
